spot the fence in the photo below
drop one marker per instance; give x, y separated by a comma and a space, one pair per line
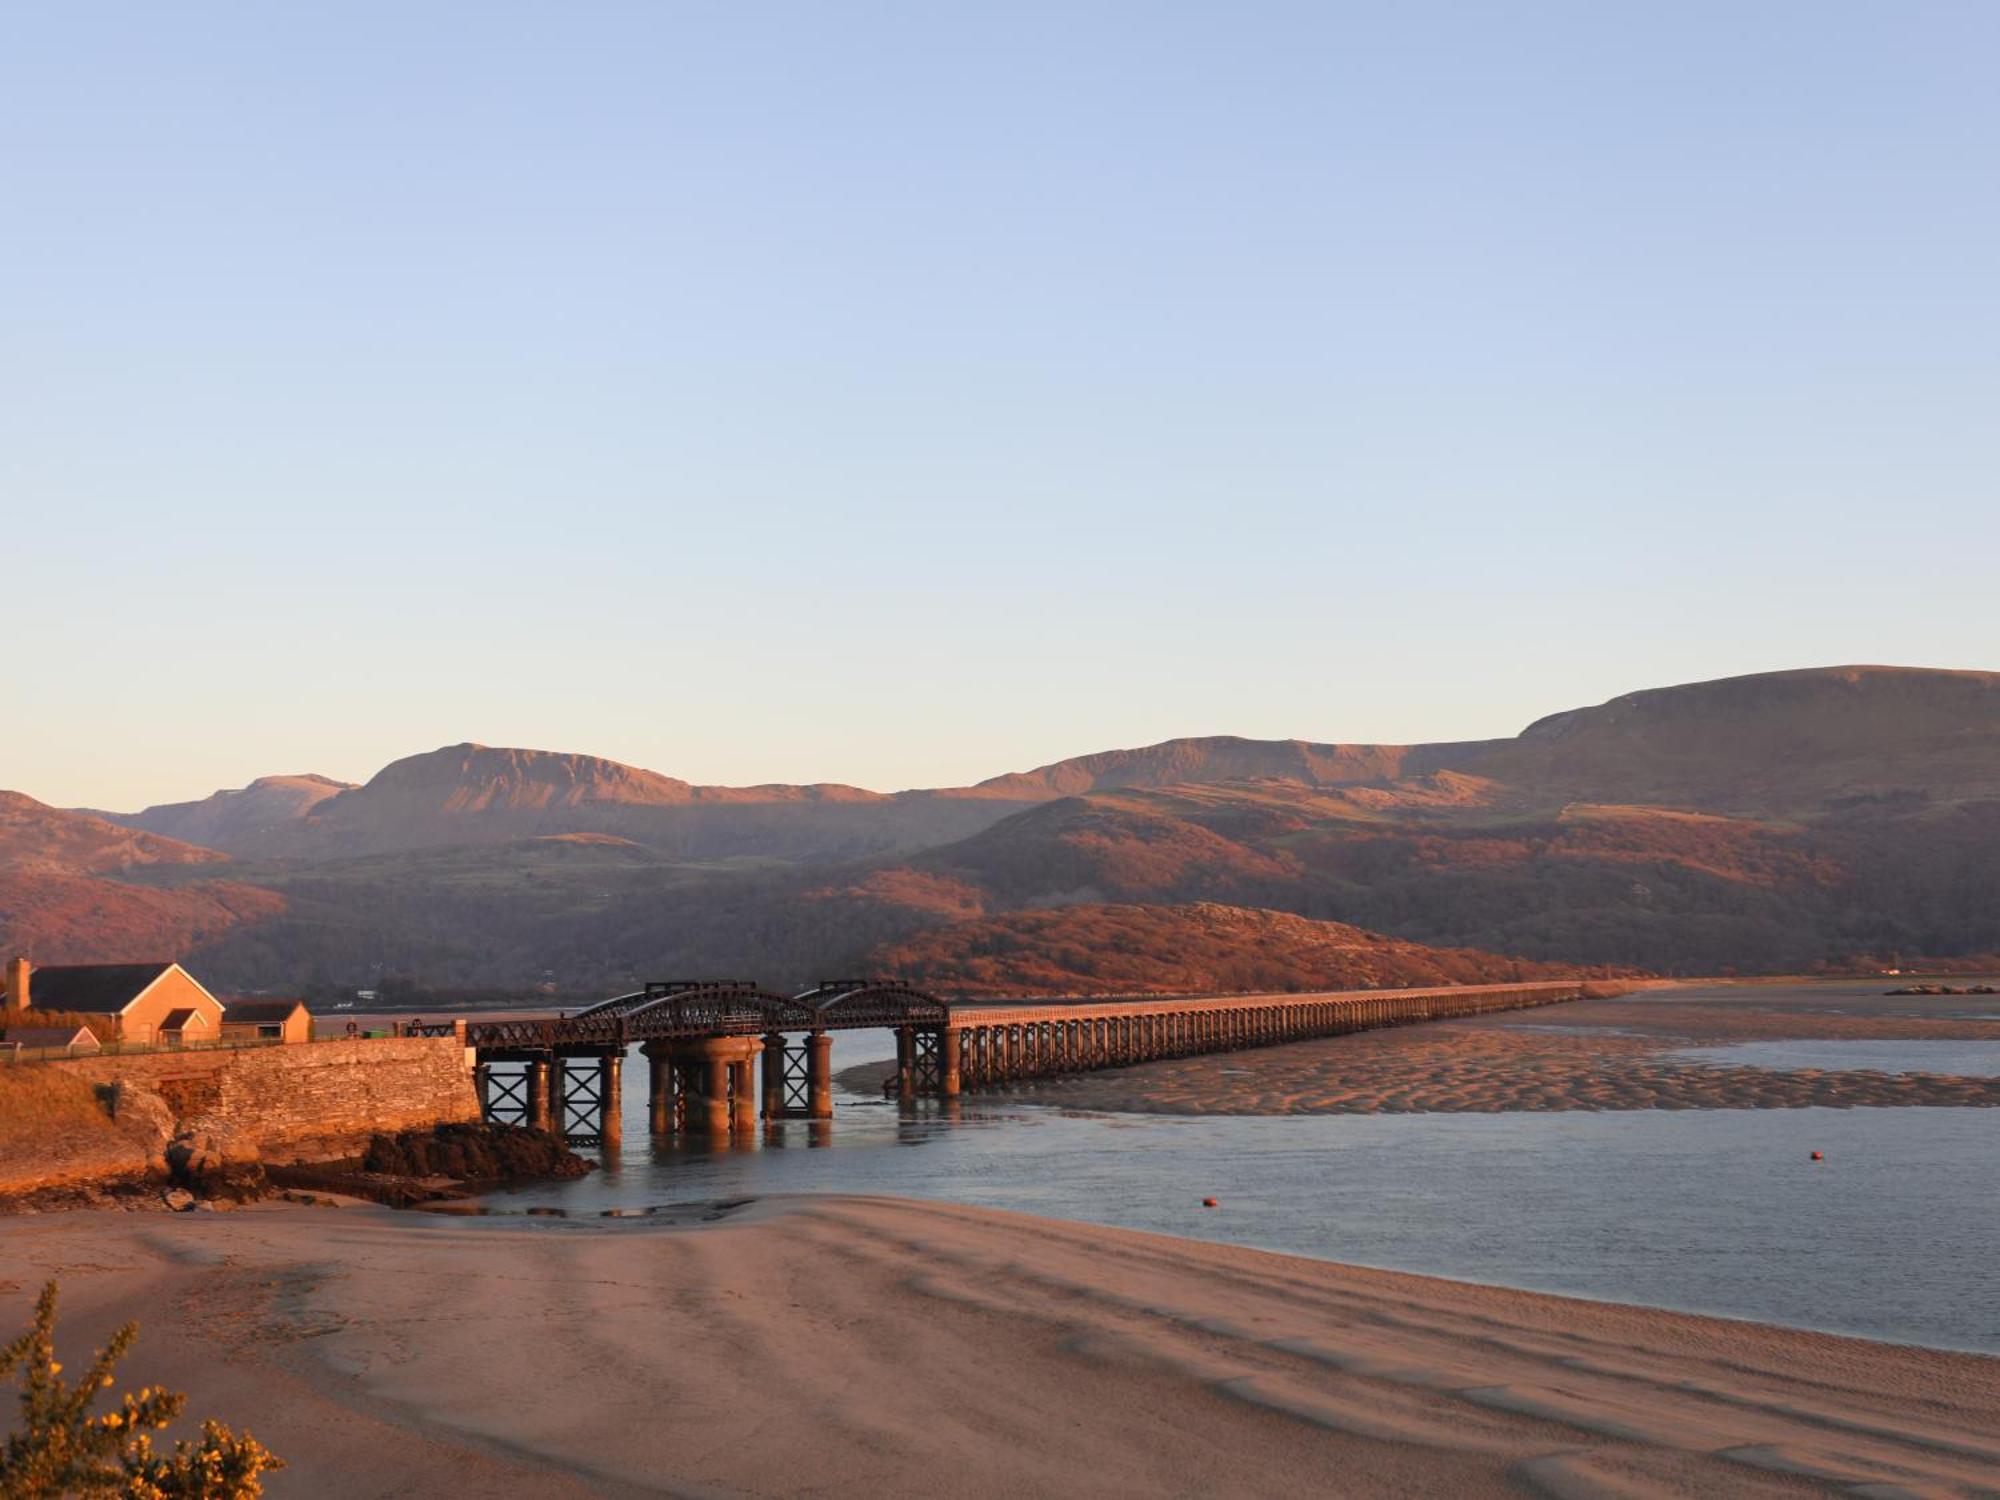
14, 1052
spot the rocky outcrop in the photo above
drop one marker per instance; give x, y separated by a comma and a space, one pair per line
415, 1168
210, 1167
474, 1154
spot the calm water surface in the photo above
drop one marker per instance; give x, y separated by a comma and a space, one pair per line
1891, 1236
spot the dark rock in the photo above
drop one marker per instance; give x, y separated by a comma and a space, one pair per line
198, 1163
474, 1154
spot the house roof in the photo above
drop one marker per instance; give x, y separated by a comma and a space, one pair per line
178, 1020
92, 989
49, 1036
260, 1012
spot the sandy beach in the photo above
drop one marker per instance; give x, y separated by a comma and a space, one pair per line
1591, 1054
878, 1346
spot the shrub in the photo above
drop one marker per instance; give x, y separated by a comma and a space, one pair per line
62, 1449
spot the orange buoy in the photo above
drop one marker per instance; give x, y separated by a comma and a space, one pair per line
1208, 1203
1818, 1157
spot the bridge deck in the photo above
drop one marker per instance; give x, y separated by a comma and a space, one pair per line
745, 1011
705, 1040
1025, 1012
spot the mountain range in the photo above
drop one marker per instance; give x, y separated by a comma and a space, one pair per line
1768, 822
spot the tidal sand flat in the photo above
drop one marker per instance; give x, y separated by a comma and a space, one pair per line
874, 1345
1632, 1052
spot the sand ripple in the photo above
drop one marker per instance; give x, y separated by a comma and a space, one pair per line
849, 1346
1601, 1055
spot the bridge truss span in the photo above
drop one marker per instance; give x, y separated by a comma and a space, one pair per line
854, 1004
707, 1042
994, 1046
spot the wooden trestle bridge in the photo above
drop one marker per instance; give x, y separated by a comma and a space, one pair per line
707, 1042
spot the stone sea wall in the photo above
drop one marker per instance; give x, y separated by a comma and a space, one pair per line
290, 1103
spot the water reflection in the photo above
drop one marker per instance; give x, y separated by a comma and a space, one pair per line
1719, 1211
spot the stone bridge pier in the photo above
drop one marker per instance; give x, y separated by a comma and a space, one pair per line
702, 1086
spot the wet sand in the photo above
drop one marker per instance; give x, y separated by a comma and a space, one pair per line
840, 1346
1590, 1054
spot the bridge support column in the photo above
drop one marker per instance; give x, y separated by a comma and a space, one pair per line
538, 1094
743, 1089
950, 1054
906, 1065
659, 1090
557, 1124
611, 1102
819, 1075
712, 1108
773, 1106
482, 1088
718, 1083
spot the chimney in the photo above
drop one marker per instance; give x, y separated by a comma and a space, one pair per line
19, 971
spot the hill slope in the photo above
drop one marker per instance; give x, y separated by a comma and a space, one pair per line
36, 838
1775, 742
67, 891
478, 794
1762, 822
233, 820
1110, 950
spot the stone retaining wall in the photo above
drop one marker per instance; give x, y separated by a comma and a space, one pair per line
294, 1103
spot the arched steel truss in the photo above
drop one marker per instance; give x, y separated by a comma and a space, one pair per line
846, 1004
690, 1008
684, 1007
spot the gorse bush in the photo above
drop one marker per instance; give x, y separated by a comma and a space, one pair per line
63, 1450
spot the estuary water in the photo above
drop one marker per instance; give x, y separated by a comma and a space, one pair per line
1894, 1234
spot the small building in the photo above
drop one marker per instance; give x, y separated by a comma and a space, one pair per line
78, 1041
266, 1021
158, 1003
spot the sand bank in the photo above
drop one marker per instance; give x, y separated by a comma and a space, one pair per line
844, 1346
1592, 1054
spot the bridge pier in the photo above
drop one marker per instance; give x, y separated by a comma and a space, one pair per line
708, 1109
798, 1077
929, 1064
538, 1094
716, 1079
743, 1089
776, 1057
611, 1102
660, 1090
950, 1063
819, 1075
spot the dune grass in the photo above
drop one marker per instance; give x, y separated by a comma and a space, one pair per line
45, 1109
55, 1133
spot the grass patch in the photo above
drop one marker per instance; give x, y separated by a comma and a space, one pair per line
40, 1105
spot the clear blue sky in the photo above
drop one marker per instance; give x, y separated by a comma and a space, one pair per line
900, 394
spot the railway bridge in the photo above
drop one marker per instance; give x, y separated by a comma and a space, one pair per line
710, 1044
